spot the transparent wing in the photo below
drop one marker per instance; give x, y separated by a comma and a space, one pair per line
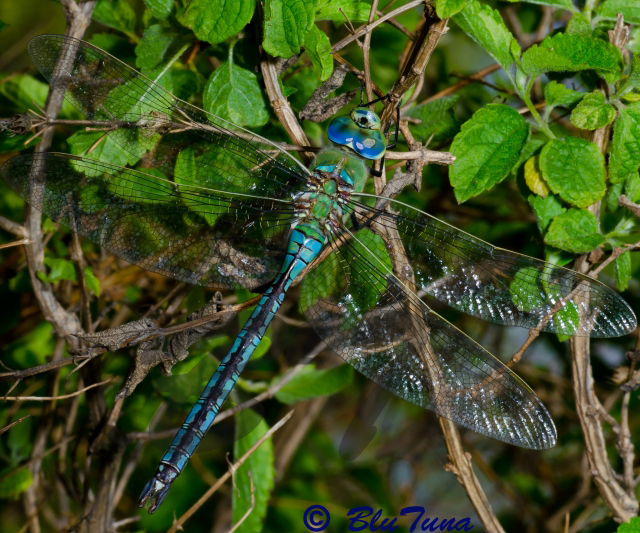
498, 285
153, 127
188, 232
378, 325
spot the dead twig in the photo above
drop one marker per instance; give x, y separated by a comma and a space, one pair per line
50, 398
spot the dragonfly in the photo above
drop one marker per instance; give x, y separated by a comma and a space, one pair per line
203, 201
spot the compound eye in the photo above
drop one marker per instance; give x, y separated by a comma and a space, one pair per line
365, 118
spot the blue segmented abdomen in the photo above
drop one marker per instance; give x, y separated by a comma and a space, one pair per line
305, 244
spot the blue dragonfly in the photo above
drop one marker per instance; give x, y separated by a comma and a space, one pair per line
203, 201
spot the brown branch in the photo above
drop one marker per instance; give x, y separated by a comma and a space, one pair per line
63, 397
251, 506
633, 207
9, 426
419, 55
15, 243
366, 49
369, 27
460, 465
279, 103
618, 497
9, 225
463, 83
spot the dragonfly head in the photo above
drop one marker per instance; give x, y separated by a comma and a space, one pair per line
360, 131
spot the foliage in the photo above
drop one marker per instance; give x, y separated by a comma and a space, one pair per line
526, 177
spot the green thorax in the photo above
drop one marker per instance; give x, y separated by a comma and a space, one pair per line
336, 175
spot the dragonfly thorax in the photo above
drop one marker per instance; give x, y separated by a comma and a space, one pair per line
322, 202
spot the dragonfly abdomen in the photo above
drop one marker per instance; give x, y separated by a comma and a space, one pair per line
305, 243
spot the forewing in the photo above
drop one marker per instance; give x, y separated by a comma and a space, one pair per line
187, 232
378, 325
498, 285
153, 127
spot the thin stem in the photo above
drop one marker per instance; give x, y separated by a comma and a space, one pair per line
526, 98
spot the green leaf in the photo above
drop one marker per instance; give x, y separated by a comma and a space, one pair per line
438, 120
545, 209
160, 9
557, 95
563, 52
486, 27
264, 345
116, 14
23, 90
593, 112
624, 158
486, 149
633, 80
574, 169
102, 147
533, 177
355, 10
318, 47
525, 294
60, 269
579, 25
622, 270
448, 8
286, 25
311, 383
564, 4
260, 464
574, 231
632, 188
215, 21
93, 283
151, 50
611, 197
633, 526
324, 275
3, 25
15, 484
233, 93
630, 9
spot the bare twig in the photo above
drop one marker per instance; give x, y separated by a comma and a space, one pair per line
9, 426
460, 465
10, 226
366, 49
63, 397
463, 83
366, 29
251, 505
15, 243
